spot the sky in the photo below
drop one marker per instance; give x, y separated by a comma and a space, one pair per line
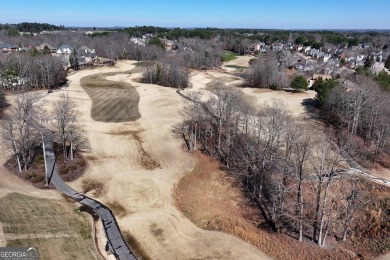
269, 14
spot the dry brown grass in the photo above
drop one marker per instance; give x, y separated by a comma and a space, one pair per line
112, 101
56, 227
119, 210
135, 246
212, 200
145, 159
93, 185
222, 81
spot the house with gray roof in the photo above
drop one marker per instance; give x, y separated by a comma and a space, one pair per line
277, 46
86, 55
334, 62
8, 48
65, 49
87, 52
42, 46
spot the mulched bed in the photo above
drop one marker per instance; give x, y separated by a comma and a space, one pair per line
68, 170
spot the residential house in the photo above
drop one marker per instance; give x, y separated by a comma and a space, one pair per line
378, 56
306, 49
366, 45
298, 47
277, 46
8, 48
261, 46
86, 55
86, 52
51, 32
316, 53
377, 67
169, 45
359, 63
146, 36
326, 57
288, 46
138, 41
309, 66
43, 45
334, 62
65, 49
24, 49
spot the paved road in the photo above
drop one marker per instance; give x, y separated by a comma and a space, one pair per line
117, 243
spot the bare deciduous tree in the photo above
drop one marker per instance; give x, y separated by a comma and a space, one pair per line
20, 131
68, 129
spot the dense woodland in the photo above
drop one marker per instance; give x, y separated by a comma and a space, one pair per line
297, 177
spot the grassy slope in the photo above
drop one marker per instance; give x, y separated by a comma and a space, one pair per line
56, 227
211, 199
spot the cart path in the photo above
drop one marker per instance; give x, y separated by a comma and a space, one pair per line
114, 236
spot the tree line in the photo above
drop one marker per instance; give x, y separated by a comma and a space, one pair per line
359, 108
300, 185
25, 71
31, 27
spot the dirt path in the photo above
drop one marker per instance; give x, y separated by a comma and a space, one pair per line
146, 195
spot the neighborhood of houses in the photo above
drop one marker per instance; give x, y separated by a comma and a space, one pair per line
86, 55
340, 60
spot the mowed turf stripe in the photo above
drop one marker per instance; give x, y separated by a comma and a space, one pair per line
112, 102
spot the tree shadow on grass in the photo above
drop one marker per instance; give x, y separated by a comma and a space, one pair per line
311, 108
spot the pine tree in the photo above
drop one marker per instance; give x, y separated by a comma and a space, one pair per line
74, 60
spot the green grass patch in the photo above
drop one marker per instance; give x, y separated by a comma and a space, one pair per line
228, 56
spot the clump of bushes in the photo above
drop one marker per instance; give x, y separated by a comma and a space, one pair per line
64, 170
37, 179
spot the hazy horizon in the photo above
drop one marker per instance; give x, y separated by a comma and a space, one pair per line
281, 15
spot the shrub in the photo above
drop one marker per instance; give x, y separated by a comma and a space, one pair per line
37, 179
64, 170
299, 83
